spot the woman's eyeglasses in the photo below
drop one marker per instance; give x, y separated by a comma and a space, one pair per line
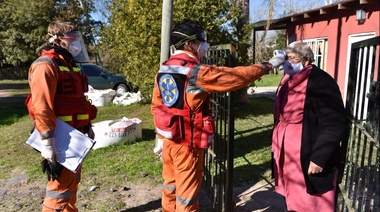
292, 58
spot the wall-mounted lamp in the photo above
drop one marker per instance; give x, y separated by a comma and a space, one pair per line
360, 15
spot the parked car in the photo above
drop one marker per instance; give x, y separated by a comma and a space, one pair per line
99, 78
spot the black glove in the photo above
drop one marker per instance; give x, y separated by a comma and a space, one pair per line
53, 170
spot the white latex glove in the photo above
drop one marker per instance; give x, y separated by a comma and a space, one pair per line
48, 150
277, 60
159, 145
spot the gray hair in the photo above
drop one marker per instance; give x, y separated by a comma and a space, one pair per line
301, 48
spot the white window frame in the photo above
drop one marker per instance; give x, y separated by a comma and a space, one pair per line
352, 39
319, 48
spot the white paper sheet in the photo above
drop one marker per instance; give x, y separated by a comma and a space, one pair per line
72, 145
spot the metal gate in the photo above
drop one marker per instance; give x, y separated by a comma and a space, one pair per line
359, 190
218, 163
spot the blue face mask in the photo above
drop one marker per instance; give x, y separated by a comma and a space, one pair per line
291, 69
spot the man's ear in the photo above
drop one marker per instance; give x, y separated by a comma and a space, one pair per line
187, 45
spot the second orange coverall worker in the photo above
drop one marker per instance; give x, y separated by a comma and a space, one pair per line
182, 164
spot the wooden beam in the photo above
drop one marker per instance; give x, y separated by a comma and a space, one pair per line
325, 11
368, 1
341, 7
294, 18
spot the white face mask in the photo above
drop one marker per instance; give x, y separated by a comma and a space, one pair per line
75, 47
291, 69
202, 49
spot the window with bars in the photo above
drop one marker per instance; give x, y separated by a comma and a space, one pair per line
319, 47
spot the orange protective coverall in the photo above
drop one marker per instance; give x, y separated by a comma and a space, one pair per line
43, 81
183, 170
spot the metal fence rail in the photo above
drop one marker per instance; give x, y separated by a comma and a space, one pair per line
359, 190
218, 164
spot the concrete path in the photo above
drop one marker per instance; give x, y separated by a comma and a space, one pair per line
268, 92
259, 197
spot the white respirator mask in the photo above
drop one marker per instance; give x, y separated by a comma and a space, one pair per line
202, 49
291, 69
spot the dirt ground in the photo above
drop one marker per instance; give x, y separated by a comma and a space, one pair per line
20, 193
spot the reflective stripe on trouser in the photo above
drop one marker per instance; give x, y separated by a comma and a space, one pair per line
61, 194
182, 172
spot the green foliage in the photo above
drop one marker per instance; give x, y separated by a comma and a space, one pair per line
133, 40
23, 25
78, 12
212, 15
133, 37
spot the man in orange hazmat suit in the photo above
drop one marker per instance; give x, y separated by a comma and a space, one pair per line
180, 106
57, 91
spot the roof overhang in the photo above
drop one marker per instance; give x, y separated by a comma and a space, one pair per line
277, 24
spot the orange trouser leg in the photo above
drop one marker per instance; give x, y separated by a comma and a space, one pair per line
182, 173
61, 194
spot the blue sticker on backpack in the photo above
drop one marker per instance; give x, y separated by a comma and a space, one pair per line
168, 89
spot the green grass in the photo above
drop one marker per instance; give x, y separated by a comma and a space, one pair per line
269, 80
135, 161
253, 125
16, 87
11, 113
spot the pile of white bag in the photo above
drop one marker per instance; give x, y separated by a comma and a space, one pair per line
128, 98
119, 131
100, 97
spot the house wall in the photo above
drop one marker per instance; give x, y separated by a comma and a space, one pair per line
336, 27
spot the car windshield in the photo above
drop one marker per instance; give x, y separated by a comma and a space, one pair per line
94, 70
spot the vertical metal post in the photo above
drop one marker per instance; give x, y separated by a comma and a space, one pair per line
253, 46
167, 17
230, 153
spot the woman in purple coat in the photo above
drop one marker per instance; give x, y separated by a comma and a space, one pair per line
310, 122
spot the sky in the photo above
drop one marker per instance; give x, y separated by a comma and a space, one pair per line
257, 7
